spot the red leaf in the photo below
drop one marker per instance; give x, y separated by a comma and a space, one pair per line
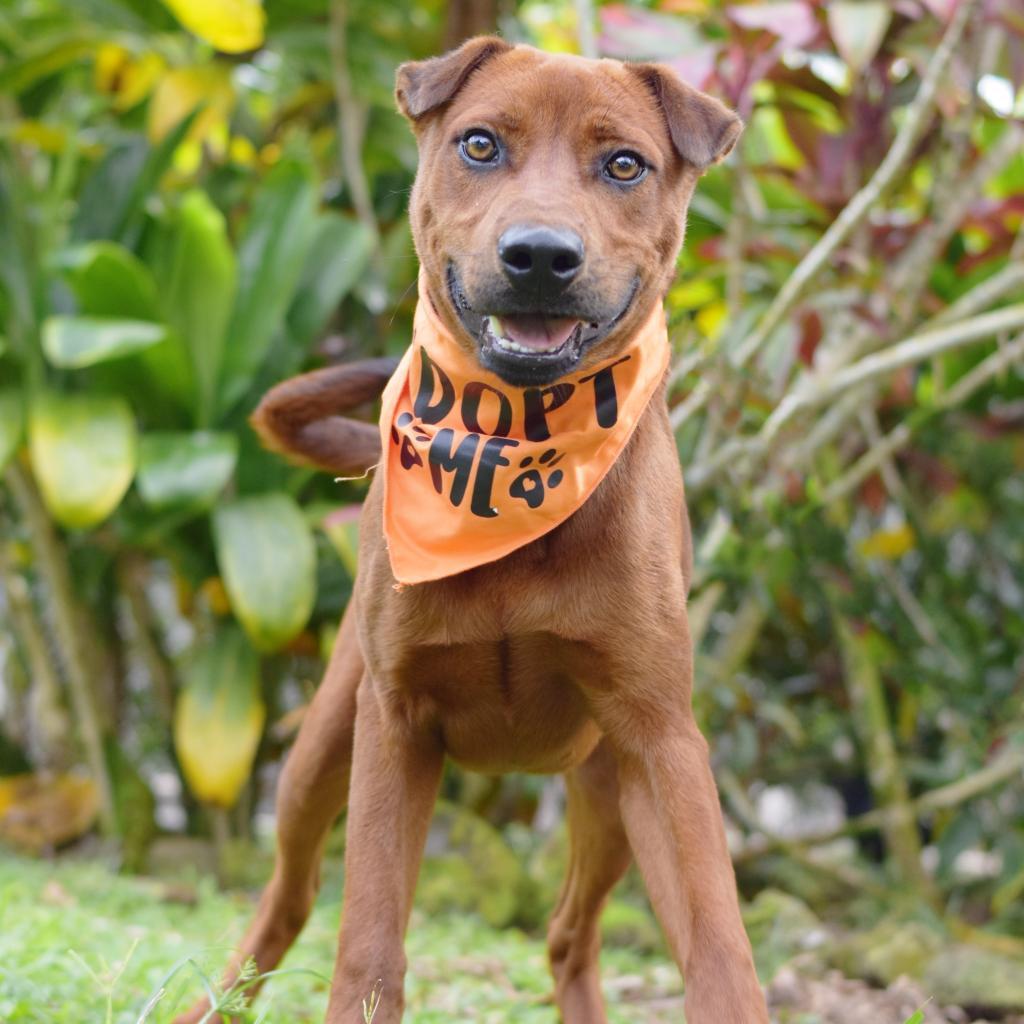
791, 20
811, 333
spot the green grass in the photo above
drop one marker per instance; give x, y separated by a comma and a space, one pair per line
79, 945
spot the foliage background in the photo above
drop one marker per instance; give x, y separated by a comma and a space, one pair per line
200, 199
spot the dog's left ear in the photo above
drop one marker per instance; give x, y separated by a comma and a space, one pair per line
424, 85
703, 130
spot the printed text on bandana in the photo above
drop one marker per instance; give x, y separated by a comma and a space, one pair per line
499, 429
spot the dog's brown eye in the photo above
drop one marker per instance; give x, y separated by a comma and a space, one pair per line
625, 166
479, 146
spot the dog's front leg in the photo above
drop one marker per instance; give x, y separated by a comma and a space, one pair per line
674, 822
396, 769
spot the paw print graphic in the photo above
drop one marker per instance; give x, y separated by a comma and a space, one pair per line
530, 485
408, 455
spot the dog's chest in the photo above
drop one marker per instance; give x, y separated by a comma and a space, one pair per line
505, 705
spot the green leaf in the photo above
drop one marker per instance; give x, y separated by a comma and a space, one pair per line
337, 259
199, 291
270, 258
184, 468
72, 342
83, 451
267, 558
109, 280
111, 202
43, 58
341, 526
12, 424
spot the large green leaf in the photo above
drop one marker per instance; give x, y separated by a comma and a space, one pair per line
83, 451
271, 256
219, 716
337, 258
184, 468
109, 280
12, 424
112, 200
267, 558
72, 342
199, 290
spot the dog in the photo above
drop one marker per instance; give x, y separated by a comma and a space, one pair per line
548, 212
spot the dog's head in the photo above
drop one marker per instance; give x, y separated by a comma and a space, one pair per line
551, 197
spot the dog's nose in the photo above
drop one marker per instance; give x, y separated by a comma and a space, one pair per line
541, 260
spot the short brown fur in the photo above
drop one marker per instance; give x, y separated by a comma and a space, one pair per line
570, 655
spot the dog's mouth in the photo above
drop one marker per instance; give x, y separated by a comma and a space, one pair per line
533, 334
531, 348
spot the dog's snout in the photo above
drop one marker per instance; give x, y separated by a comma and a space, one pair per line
542, 260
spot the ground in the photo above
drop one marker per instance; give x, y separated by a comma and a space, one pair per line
81, 945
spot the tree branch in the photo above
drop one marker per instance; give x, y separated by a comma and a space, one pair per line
858, 207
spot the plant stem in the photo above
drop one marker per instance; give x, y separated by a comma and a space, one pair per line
48, 715
882, 761
351, 120
53, 566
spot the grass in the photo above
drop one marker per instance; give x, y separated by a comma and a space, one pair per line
79, 945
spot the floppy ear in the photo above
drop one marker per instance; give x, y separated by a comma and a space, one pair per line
702, 129
422, 86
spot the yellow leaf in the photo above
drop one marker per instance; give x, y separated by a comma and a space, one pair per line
124, 77
889, 544
182, 90
233, 26
692, 294
242, 151
83, 452
219, 716
711, 319
39, 813
44, 137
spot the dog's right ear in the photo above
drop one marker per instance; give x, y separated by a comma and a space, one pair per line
424, 85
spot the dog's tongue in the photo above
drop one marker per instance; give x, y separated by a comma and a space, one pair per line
538, 332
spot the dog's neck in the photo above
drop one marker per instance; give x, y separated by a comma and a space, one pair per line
475, 468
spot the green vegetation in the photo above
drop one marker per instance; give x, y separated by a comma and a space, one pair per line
194, 206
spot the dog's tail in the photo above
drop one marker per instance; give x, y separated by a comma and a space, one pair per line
301, 418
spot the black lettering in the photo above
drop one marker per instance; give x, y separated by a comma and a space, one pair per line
606, 401
408, 454
429, 370
471, 409
536, 411
460, 462
490, 459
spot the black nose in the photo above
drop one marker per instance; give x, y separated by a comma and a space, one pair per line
540, 260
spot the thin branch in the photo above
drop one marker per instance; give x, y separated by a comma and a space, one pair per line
1006, 766
998, 362
857, 209
983, 295
906, 353
585, 27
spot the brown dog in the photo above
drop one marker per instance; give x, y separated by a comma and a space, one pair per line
572, 654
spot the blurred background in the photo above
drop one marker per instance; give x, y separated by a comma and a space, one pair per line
199, 198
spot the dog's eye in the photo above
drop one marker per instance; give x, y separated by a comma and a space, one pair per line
625, 166
479, 146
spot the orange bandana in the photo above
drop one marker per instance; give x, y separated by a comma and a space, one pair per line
475, 468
